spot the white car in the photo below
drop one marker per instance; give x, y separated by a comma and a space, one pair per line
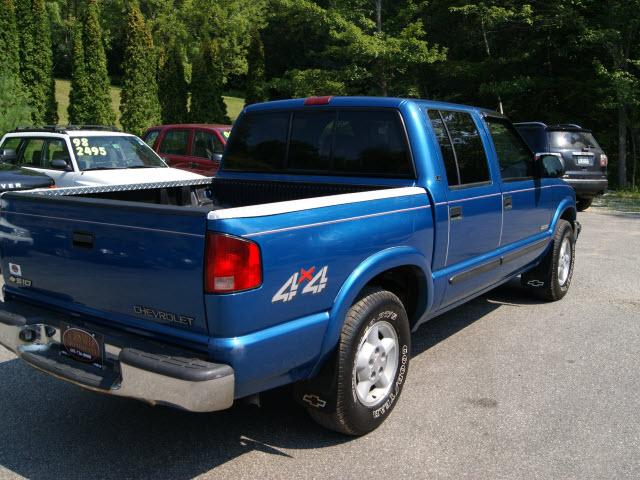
89, 157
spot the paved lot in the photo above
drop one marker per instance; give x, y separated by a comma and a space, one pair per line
504, 387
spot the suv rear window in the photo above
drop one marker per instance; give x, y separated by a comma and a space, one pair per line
323, 142
572, 140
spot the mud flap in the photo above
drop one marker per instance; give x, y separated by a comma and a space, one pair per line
319, 392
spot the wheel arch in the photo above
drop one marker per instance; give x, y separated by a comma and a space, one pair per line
392, 269
566, 211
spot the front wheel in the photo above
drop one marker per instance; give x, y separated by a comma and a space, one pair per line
371, 365
551, 279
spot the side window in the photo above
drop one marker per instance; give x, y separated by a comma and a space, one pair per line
470, 154
32, 153
463, 140
11, 143
515, 158
205, 145
175, 142
371, 142
56, 149
311, 137
448, 155
151, 137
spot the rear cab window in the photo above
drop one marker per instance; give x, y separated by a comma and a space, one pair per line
340, 142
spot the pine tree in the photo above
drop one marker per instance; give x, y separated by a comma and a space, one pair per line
139, 105
98, 89
256, 86
173, 87
14, 101
79, 106
36, 59
9, 43
207, 104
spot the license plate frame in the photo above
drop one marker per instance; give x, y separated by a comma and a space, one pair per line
89, 351
584, 161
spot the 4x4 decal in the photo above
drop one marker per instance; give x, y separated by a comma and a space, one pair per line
315, 284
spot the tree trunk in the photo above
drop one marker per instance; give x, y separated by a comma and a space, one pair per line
488, 50
634, 165
379, 15
622, 147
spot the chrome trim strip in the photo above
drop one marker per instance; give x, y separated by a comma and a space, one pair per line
331, 222
105, 223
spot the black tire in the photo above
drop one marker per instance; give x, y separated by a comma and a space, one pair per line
350, 415
545, 279
583, 203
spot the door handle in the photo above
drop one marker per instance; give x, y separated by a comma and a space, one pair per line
455, 213
83, 240
507, 201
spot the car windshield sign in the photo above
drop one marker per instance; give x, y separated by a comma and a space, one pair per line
572, 140
106, 153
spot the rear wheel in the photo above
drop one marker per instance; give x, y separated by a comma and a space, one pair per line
583, 203
551, 279
371, 365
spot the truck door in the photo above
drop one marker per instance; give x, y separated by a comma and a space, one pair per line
474, 203
528, 202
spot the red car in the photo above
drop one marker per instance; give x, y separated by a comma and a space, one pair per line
192, 147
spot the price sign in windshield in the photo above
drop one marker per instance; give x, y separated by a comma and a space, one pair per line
84, 149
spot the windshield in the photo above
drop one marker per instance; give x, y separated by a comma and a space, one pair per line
573, 140
106, 153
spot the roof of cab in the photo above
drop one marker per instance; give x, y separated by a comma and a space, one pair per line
363, 102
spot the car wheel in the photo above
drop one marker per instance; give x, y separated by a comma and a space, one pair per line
371, 365
551, 279
583, 203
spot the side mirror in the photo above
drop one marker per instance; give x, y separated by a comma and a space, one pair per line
216, 157
8, 156
59, 164
549, 165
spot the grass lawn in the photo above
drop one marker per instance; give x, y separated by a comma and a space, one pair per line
234, 104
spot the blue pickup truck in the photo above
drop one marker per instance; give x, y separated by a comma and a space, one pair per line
335, 228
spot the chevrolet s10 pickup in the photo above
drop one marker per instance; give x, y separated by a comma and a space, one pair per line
336, 227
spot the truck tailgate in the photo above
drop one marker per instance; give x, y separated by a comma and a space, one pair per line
136, 264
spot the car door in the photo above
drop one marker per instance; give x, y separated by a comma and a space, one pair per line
175, 147
528, 202
474, 204
38, 153
206, 153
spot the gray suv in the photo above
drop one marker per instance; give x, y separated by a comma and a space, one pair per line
584, 161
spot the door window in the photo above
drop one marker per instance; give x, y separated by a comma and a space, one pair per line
11, 143
175, 142
515, 158
32, 153
151, 137
56, 149
463, 139
206, 144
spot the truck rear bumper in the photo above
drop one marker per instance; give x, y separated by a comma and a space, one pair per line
129, 365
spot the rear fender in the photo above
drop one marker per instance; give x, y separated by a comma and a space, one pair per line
359, 278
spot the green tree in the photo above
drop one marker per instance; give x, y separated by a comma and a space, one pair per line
79, 109
15, 109
97, 95
139, 105
14, 101
9, 43
256, 85
207, 104
172, 86
36, 66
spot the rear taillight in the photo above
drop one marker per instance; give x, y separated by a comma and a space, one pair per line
604, 160
231, 264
